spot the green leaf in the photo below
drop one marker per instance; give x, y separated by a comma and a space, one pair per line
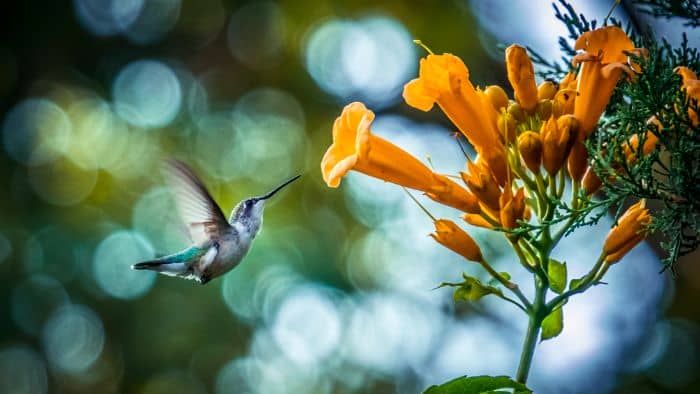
553, 324
479, 385
556, 272
472, 290
494, 282
575, 283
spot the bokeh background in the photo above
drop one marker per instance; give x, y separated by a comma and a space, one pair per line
335, 295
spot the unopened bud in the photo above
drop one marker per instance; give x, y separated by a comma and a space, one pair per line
563, 102
521, 74
507, 127
497, 96
631, 229
544, 109
591, 182
454, 238
556, 142
516, 111
546, 90
530, 147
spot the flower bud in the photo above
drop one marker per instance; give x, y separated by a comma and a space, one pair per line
497, 96
556, 143
521, 75
476, 220
569, 81
507, 127
457, 240
563, 102
516, 111
631, 229
530, 147
590, 182
632, 145
546, 90
544, 109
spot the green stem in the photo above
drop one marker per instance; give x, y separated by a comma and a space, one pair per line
533, 331
537, 314
508, 284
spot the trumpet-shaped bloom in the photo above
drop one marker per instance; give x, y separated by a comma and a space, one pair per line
602, 63
356, 148
480, 182
691, 85
521, 75
631, 229
512, 207
632, 146
444, 79
457, 240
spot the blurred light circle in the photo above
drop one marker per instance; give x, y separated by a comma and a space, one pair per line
677, 366
107, 17
270, 126
36, 131
142, 148
272, 372
307, 326
216, 147
255, 34
59, 246
22, 371
197, 99
237, 290
62, 182
372, 201
367, 60
73, 339
155, 19
34, 299
274, 282
377, 336
235, 374
147, 93
253, 291
100, 136
155, 217
112, 265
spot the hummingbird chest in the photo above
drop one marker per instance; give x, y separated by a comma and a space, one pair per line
232, 247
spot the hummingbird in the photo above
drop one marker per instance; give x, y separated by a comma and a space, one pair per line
218, 245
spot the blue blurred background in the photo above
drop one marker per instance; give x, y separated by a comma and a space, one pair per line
335, 295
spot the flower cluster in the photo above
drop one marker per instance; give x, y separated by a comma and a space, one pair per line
525, 145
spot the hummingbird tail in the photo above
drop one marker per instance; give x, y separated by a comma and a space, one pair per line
163, 266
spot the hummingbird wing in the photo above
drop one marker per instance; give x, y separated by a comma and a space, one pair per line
199, 211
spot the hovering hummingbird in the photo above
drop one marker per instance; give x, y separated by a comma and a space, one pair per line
218, 245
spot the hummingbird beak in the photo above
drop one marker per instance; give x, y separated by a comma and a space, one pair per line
278, 188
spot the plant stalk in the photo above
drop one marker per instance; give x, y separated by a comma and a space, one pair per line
537, 313
528, 352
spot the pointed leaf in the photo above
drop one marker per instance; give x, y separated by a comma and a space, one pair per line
556, 272
553, 324
575, 283
495, 283
479, 385
472, 290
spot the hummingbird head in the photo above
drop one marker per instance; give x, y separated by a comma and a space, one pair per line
252, 209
